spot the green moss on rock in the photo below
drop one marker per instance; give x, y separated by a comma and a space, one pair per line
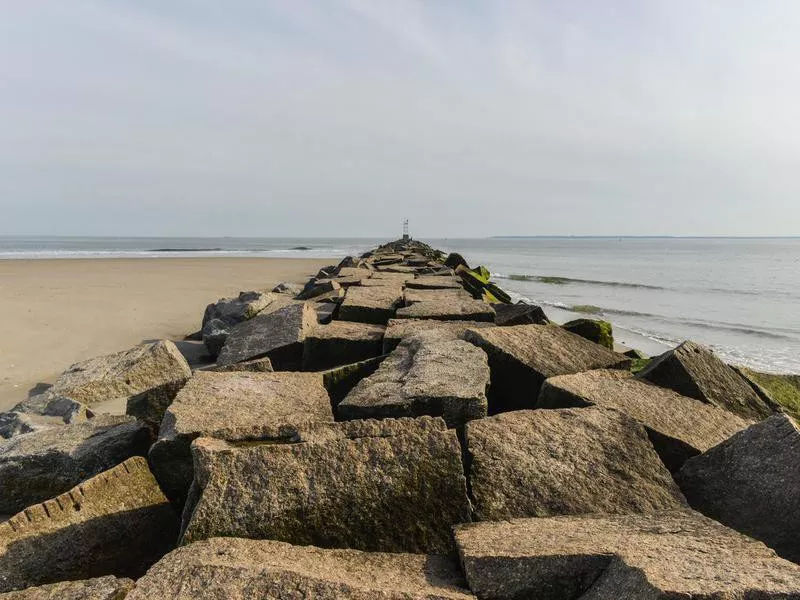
784, 389
597, 331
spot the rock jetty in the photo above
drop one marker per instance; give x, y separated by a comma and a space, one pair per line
398, 428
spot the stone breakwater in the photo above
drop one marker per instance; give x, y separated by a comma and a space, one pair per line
397, 428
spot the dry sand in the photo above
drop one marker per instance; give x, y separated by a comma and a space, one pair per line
54, 313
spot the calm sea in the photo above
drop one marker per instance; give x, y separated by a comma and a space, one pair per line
740, 296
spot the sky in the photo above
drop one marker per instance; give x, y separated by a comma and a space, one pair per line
341, 118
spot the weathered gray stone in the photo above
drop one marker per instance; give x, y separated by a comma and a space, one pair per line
521, 357
519, 314
116, 523
751, 482
148, 376
278, 336
540, 463
99, 588
235, 310
412, 296
257, 365
288, 288
371, 304
233, 406
434, 282
397, 329
319, 287
42, 411
449, 310
679, 427
341, 342
694, 371
594, 330
39, 465
395, 485
215, 332
429, 373
454, 259
397, 269
670, 554
243, 568
340, 380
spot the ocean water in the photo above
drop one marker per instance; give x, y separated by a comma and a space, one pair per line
739, 296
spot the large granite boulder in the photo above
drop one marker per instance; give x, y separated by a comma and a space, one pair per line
430, 373
397, 329
679, 427
341, 342
316, 288
454, 260
148, 376
434, 282
116, 523
390, 486
214, 334
235, 310
412, 296
42, 411
446, 309
374, 305
594, 330
243, 568
256, 365
99, 588
751, 482
277, 335
695, 371
670, 554
540, 463
519, 314
340, 380
521, 357
39, 465
234, 406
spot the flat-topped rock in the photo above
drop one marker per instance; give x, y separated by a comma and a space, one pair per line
540, 463
395, 485
234, 406
257, 365
235, 310
397, 269
99, 588
429, 373
116, 523
671, 554
278, 336
397, 329
315, 288
521, 357
42, 411
239, 568
434, 282
374, 305
39, 465
341, 342
412, 296
519, 314
446, 309
751, 483
148, 376
679, 427
695, 371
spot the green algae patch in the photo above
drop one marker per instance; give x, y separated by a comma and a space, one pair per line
637, 364
516, 277
597, 331
589, 309
784, 389
552, 280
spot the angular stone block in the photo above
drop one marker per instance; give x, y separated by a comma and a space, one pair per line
341, 342
116, 523
99, 588
429, 373
434, 282
412, 296
449, 310
696, 372
243, 568
594, 330
519, 314
521, 357
389, 486
233, 406
751, 483
340, 380
257, 365
319, 287
42, 411
397, 329
671, 554
374, 305
235, 310
679, 427
540, 463
46, 463
278, 336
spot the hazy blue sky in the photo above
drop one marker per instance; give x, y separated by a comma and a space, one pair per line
249, 117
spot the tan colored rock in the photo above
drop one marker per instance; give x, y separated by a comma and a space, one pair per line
116, 523
374, 305
541, 463
397, 329
434, 282
412, 296
429, 373
233, 406
521, 357
679, 427
671, 554
42, 411
235, 310
239, 568
319, 287
147, 376
257, 365
341, 342
446, 309
340, 380
99, 588
395, 485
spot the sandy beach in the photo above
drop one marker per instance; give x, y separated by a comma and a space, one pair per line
54, 313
